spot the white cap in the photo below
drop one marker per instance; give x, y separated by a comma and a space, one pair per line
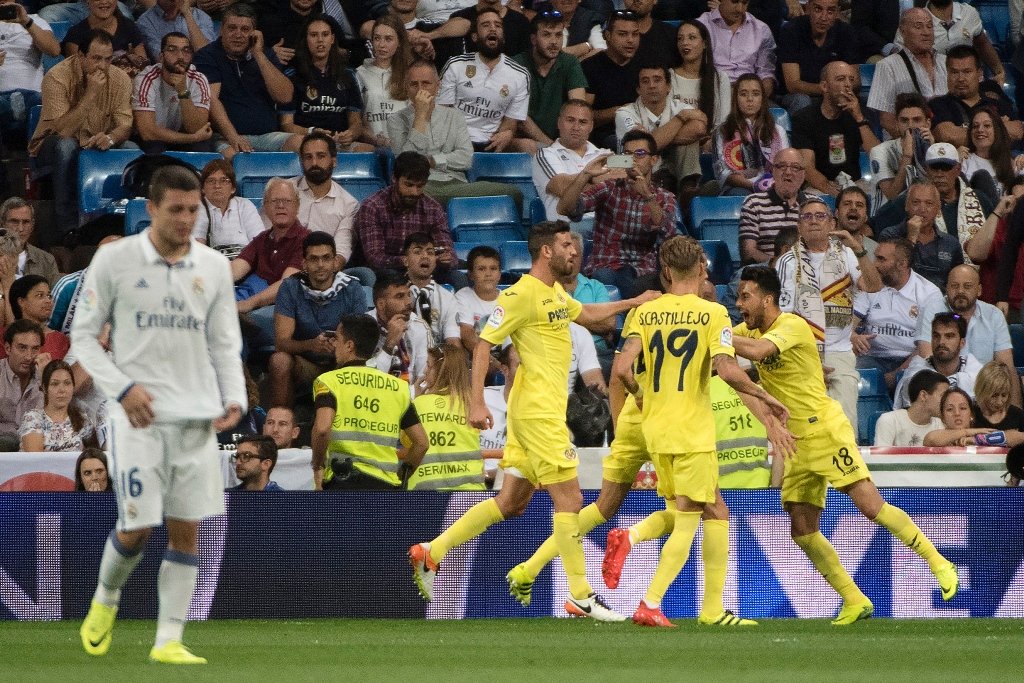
941, 153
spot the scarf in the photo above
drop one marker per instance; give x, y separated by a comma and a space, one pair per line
826, 302
969, 217
322, 297
65, 325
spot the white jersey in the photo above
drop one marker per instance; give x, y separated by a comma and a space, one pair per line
151, 93
473, 310
444, 311
175, 329
584, 353
892, 315
965, 25
486, 96
837, 339
557, 159
378, 104
494, 399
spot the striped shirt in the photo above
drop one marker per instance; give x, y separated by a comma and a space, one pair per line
764, 214
892, 78
151, 92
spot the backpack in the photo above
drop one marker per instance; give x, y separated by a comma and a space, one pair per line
137, 174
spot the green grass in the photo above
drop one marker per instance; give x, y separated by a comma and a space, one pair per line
530, 650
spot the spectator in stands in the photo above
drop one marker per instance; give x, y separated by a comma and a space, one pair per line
876, 23
632, 217
254, 459
909, 426
917, 68
126, 40
490, 90
327, 98
657, 39
431, 302
382, 78
515, 27
935, 252
75, 11
247, 86
18, 217
477, 301
91, 473
20, 390
307, 309
1006, 253
959, 24
175, 16
899, 162
852, 215
747, 143
949, 357
831, 136
582, 34
440, 11
555, 78
741, 43
228, 222
807, 44
59, 425
30, 299
993, 392
957, 421
284, 26
280, 426
10, 249
676, 130
171, 101
23, 42
613, 74
889, 318
590, 291
404, 336
387, 217
66, 292
696, 82
821, 276
989, 164
952, 110
405, 13
764, 214
86, 105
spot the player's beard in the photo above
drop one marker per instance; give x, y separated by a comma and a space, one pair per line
560, 266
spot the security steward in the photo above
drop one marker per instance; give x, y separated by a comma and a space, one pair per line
360, 414
742, 442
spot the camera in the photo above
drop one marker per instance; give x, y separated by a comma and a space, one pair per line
9, 12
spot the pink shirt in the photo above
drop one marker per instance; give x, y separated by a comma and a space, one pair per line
750, 49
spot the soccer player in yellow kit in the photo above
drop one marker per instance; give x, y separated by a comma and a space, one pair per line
783, 349
680, 338
536, 313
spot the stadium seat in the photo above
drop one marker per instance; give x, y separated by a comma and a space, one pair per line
197, 160
60, 31
254, 169
506, 167
1010, 84
721, 291
462, 250
872, 400
707, 167
136, 218
872, 383
718, 218
1017, 339
33, 120
515, 257
585, 227
867, 74
613, 293
99, 178
486, 220
865, 167
719, 261
995, 17
358, 173
866, 423
781, 117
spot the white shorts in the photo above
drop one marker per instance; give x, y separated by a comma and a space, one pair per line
169, 469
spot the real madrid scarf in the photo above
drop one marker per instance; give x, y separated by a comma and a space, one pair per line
969, 217
825, 306
323, 296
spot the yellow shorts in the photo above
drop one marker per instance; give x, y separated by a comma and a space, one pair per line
540, 450
694, 475
828, 455
627, 455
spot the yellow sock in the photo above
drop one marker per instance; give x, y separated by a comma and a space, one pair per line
655, 525
902, 527
590, 517
715, 548
570, 547
826, 561
467, 527
673, 555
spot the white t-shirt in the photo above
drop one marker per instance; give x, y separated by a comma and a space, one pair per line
636, 115
895, 428
485, 95
973, 163
473, 310
964, 26
440, 11
556, 159
378, 104
837, 339
687, 91
236, 226
885, 164
584, 353
892, 315
443, 311
494, 438
23, 66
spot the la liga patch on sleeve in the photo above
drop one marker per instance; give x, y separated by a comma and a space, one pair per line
497, 315
725, 338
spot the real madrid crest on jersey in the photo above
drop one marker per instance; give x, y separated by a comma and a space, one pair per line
311, 93
197, 286
504, 91
470, 70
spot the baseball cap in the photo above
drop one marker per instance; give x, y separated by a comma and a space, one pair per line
942, 154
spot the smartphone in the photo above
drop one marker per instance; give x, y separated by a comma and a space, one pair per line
330, 334
619, 161
252, 42
9, 12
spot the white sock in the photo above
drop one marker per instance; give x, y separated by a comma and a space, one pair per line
176, 584
653, 604
116, 565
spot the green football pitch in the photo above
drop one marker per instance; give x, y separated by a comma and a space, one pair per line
529, 650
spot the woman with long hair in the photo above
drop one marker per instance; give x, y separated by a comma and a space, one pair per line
452, 461
989, 150
957, 412
382, 78
326, 95
747, 142
226, 222
696, 82
91, 471
59, 425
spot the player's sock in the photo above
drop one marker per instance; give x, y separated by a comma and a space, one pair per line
655, 525
175, 584
715, 548
116, 565
590, 517
826, 561
673, 555
902, 527
468, 526
566, 527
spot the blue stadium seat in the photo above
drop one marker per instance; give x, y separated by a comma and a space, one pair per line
358, 173
99, 178
867, 74
721, 291
872, 383
1010, 85
136, 218
515, 257
995, 17
613, 293
718, 218
538, 214
506, 167
254, 169
60, 31
487, 220
865, 168
781, 117
585, 227
719, 261
867, 420
1017, 339
33, 120
872, 400
462, 250
196, 160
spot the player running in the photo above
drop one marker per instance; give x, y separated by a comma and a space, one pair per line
783, 349
173, 381
536, 313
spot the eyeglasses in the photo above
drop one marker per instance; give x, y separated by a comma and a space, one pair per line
789, 167
624, 14
217, 181
244, 457
814, 216
639, 153
280, 202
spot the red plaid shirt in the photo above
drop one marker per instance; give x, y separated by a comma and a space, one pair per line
382, 226
624, 233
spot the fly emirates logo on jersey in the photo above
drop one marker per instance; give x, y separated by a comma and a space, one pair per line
172, 317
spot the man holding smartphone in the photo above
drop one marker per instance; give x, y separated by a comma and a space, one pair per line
24, 38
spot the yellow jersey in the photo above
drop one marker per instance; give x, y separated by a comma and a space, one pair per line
630, 410
537, 319
794, 374
679, 335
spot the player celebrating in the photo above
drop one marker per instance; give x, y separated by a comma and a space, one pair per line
784, 351
174, 380
536, 313
678, 339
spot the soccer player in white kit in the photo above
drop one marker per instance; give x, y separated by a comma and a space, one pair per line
174, 379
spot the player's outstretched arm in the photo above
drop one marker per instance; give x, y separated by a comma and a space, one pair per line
593, 315
479, 416
753, 349
765, 407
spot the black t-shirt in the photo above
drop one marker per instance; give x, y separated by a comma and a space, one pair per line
516, 25
950, 109
1014, 420
835, 143
124, 39
797, 47
325, 103
658, 47
611, 85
